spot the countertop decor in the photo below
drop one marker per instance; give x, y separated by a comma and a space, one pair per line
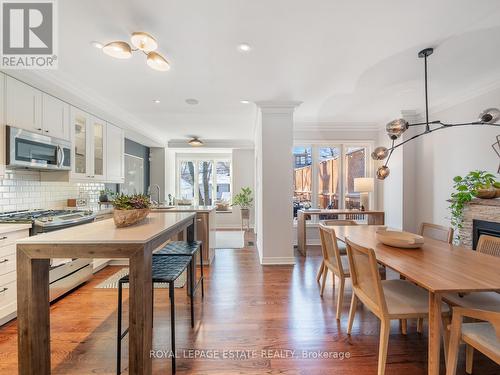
130, 209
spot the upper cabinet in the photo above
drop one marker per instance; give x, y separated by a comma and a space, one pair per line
115, 154
55, 117
30, 109
98, 149
23, 105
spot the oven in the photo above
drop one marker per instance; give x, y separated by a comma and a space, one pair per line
26, 149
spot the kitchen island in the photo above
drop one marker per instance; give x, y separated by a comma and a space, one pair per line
205, 227
95, 240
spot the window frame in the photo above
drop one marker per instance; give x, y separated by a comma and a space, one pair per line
195, 159
343, 145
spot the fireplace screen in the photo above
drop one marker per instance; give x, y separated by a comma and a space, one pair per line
480, 227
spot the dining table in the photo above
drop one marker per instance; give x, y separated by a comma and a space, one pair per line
438, 267
100, 239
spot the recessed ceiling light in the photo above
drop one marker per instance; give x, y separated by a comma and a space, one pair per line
156, 101
245, 101
244, 47
192, 101
96, 44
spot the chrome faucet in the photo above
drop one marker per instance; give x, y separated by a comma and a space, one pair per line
159, 197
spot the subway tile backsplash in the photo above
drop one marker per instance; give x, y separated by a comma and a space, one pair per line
24, 190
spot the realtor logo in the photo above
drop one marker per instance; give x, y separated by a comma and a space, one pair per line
28, 34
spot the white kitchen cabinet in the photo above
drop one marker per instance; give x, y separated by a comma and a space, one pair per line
88, 134
115, 154
55, 117
23, 105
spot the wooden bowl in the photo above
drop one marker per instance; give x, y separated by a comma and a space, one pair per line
125, 218
400, 239
486, 193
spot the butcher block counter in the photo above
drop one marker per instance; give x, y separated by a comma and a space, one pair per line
94, 240
205, 227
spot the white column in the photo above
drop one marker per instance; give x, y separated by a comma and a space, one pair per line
274, 182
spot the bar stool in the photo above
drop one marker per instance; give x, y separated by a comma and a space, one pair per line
165, 270
182, 248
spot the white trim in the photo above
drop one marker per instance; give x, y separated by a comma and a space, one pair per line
277, 261
335, 126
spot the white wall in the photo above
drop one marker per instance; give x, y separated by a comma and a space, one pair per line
442, 155
243, 162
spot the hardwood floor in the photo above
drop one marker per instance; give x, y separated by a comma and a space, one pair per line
248, 308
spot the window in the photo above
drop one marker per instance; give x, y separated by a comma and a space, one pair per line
204, 181
328, 171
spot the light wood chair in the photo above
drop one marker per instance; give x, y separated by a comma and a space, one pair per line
483, 336
436, 232
481, 300
439, 233
333, 261
388, 299
340, 244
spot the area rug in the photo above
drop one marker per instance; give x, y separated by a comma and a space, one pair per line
112, 281
229, 239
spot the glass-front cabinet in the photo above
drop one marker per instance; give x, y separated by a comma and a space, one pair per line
89, 140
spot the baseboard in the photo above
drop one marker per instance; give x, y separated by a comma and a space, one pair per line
275, 261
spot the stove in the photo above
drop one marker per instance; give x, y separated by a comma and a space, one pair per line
48, 220
64, 274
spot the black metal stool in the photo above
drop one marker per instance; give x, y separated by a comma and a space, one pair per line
182, 248
165, 270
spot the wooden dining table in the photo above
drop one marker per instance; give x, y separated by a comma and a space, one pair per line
438, 267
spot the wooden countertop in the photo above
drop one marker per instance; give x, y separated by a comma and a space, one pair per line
184, 208
105, 232
5, 228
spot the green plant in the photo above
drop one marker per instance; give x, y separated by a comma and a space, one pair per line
466, 189
244, 198
131, 202
108, 192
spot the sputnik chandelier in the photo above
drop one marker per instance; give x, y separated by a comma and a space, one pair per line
397, 127
143, 42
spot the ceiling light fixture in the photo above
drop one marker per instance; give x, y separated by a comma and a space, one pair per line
195, 142
396, 128
143, 42
244, 47
245, 101
96, 44
192, 101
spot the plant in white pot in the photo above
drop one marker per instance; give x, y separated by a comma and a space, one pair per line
244, 200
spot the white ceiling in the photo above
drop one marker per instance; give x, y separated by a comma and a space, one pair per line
350, 62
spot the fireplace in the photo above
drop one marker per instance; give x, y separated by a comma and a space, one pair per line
480, 227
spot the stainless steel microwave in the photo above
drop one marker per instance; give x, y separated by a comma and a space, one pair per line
26, 149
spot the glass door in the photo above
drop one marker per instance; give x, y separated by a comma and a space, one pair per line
80, 143
98, 136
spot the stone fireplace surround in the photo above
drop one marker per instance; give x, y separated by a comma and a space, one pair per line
478, 209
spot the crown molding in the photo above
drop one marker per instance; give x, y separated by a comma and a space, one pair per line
66, 89
335, 126
278, 107
212, 144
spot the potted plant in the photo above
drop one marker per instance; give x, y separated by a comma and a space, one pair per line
244, 200
105, 195
476, 184
130, 209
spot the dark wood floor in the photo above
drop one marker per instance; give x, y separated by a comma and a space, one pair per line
247, 307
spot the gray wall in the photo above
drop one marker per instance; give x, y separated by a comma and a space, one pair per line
136, 149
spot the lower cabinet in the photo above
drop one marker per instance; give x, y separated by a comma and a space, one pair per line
8, 276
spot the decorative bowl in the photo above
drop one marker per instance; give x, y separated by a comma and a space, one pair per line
486, 193
125, 218
400, 239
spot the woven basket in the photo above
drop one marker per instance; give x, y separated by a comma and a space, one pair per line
125, 218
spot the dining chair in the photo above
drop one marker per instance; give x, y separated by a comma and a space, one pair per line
387, 299
479, 300
340, 244
483, 336
438, 233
